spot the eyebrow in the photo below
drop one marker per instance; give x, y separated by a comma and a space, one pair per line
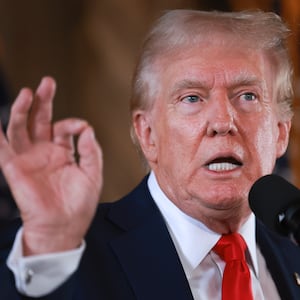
246, 79
188, 83
242, 79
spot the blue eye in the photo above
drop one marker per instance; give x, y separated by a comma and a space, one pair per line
191, 99
249, 96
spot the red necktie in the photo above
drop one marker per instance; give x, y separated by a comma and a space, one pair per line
236, 284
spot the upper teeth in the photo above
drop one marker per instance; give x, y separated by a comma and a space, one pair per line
224, 166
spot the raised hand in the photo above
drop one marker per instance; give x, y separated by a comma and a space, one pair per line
57, 194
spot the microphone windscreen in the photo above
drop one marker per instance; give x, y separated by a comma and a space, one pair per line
270, 196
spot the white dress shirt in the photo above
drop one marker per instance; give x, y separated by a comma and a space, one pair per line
41, 274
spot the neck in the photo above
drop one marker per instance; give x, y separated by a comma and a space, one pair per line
223, 221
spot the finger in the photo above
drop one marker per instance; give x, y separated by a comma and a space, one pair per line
17, 129
90, 156
6, 152
41, 113
65, 130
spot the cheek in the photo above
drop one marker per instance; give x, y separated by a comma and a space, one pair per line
178, 144
265, 145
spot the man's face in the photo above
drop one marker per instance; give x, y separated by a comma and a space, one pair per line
213, 129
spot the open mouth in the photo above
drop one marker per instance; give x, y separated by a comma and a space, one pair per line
223, 164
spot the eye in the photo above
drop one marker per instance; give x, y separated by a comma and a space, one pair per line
191, 99
248, 96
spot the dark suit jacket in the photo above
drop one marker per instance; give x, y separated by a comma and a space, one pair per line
130, 255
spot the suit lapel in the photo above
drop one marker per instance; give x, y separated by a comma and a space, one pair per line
282, 259
146, 251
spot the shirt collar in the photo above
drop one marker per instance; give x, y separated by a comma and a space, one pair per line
192, 239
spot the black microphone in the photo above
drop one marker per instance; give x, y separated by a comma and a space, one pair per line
276, 202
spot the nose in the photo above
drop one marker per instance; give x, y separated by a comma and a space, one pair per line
221, 118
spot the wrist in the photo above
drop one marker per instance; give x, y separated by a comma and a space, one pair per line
35, 243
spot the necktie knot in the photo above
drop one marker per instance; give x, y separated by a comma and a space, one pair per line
231, 247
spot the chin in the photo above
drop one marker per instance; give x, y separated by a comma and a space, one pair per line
224, 198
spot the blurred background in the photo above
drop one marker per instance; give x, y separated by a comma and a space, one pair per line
90, 47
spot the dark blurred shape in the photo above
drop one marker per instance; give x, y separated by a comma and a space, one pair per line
8, 208
282, 167
214, 5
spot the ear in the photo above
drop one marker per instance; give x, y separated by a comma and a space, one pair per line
283, 137
143, 129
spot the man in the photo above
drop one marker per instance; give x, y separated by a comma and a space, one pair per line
211, 114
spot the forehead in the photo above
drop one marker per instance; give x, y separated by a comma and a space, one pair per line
215, 64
